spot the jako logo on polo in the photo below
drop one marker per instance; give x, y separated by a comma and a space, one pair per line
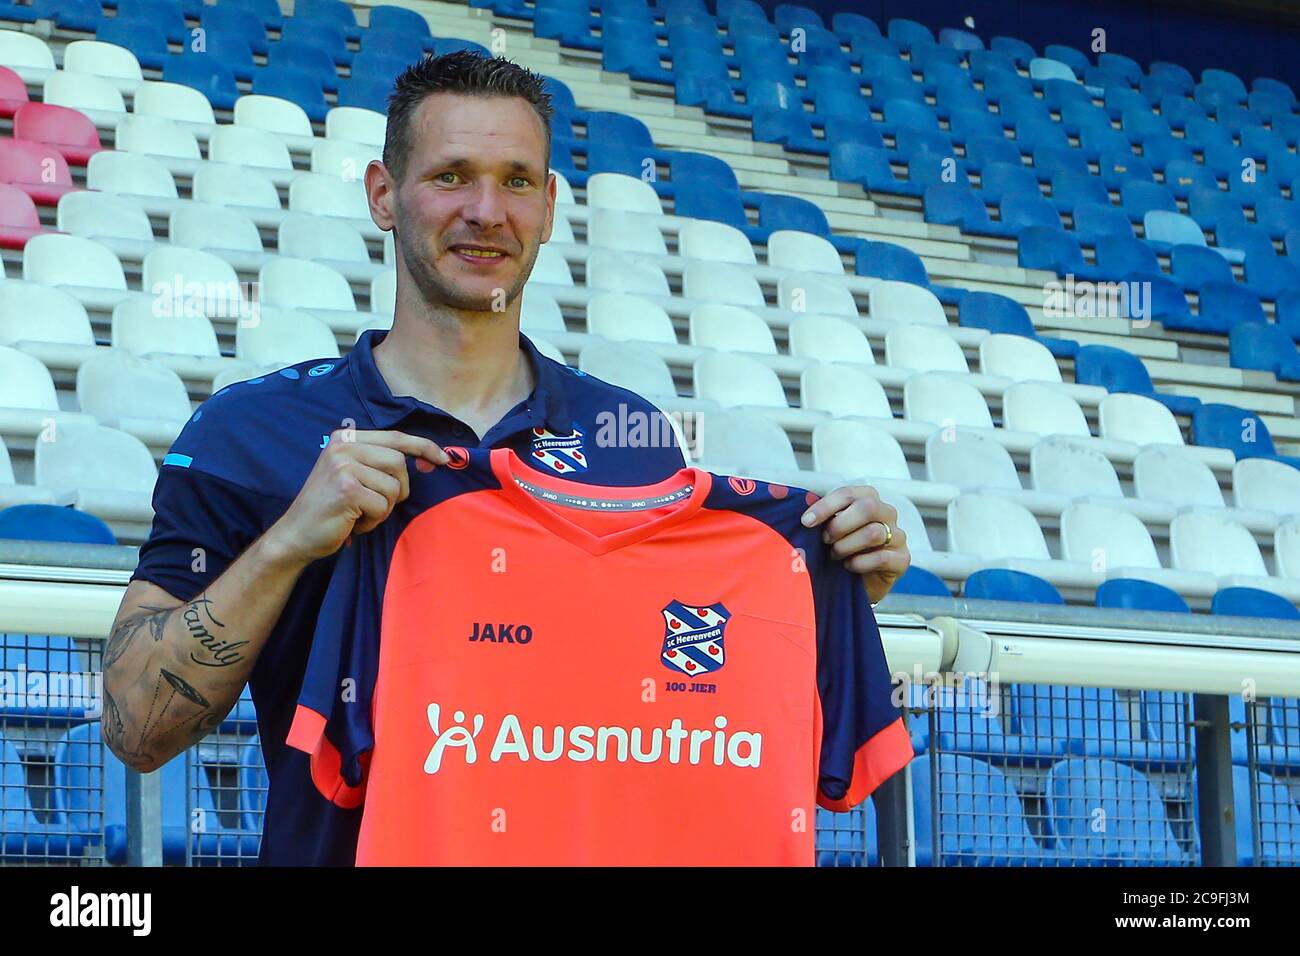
581, 743
742, 486
562, 454
693, 638
457, 456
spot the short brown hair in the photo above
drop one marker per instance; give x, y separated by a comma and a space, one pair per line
462, 71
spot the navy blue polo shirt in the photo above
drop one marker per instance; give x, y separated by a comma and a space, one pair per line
243, 457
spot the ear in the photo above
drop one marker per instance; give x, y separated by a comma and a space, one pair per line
550, 207
380, 193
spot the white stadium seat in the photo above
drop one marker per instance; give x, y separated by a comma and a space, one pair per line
611, 271
1200, 541
829, 338
626, 232
715, 242
616, 191
247, 146
356, 125
721, 282
173, 101
272, 114
98, 98
893, 301
803, 252
156, 136
102, 59
134, 395
130, 174
105, 472
1004, 534
815, 294
1117, 544
925, 349
284, 337
116, 223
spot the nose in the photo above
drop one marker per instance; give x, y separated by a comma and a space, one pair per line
485, 207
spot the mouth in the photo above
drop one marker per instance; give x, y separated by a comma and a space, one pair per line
479, 254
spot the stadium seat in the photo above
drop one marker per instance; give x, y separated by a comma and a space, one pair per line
1253, 602
1139, 595
1237, 429
1119, 371
1137, 831
998, 584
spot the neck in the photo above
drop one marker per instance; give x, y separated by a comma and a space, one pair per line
469, 364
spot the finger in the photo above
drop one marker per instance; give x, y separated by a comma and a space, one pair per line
383, 458
867, 538
883, 561
378, 481
374, 508
839, 500
858, 515
407, 444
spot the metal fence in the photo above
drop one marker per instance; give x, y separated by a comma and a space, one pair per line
1007, 772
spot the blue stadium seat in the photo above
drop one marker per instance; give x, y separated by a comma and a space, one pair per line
999, 314
1227, 426
1117, 370
869, 168
93, 802
909, 33
1052, 249
1119, 256
206, 74
53, 523
1071, 57
984, 152
1273, 814
1056, 720
711, 94
1095, 223
982, 821
401, 20
1001, 584
1020, 51
917, 580
886, 260
791, 130
1001, 179
1252, 602
1049, 159
1177, 110
1193, 265
22, 835
1136, 595
1118, 166
960, 39
144, 39
332, 11
1070, 189
1233, 232
403, 46
57, 684
1264, 347
1288, 313
296, 86
322, 34
848, 24
1270, 276
1137, 831
83, 15
1221, 306
230, 50
230, 19
1020, 211
860, 130
568, 26
1160, 151
167, 16
372, 94
310, 61
847, 839
951, 204
1140, 198
267, 11
703, 168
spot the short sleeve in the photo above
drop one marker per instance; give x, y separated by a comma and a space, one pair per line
332, 722
201, 524
864, 738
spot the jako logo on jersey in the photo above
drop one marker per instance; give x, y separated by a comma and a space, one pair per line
501, 633
459, 457
742, 486
560, 453
739, 748
693, 638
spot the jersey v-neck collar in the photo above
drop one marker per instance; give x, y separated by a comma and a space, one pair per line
507, 466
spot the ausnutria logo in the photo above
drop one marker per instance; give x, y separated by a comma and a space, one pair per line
581, 743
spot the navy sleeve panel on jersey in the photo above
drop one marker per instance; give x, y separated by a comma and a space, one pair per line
333, 719
864, 737
201, 524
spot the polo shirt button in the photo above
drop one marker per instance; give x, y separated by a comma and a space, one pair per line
457, 430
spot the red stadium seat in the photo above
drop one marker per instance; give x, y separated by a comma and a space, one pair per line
19, 220
37, 169
13, 91
69, 131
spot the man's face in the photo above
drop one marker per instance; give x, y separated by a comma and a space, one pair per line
476, 202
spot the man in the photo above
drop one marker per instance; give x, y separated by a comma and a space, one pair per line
250, 511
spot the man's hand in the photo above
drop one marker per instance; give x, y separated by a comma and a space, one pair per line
859, 526
357, 481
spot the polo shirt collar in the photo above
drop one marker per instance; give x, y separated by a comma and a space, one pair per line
547, 404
